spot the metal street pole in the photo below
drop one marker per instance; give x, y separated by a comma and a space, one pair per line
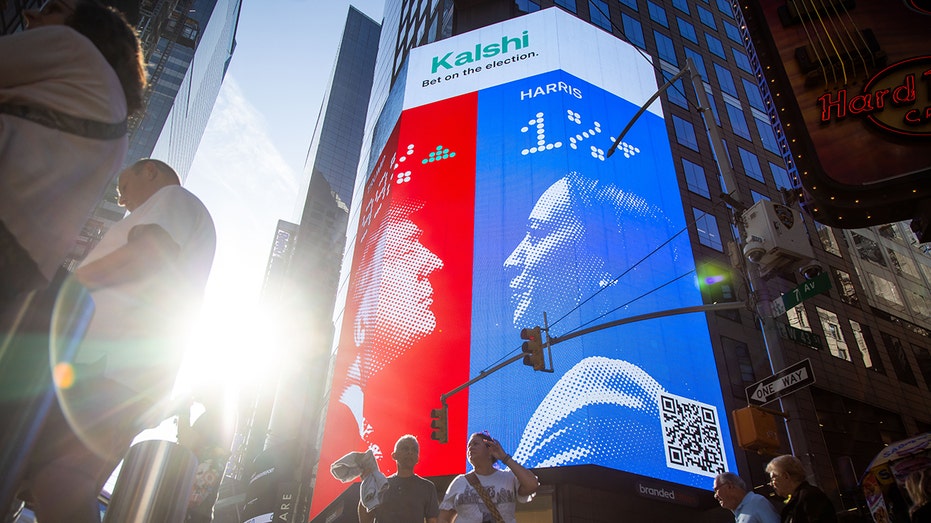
798, 443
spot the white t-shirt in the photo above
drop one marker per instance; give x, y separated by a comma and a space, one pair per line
135, 325
50, 181
501, 487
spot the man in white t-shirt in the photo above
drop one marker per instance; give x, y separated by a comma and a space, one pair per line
146, 277
503, 489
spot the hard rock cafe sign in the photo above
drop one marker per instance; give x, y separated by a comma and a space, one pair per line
897, 99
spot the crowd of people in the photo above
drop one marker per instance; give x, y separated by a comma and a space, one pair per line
68, 85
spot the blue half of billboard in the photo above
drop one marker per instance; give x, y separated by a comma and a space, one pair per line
492, 204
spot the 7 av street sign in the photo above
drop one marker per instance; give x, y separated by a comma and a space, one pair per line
784, 382
817, 285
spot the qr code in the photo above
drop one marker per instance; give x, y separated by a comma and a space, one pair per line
691, 435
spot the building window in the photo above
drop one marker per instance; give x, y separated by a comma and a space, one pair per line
665, 49
598, 11
918, 300
900, 364
828, 239
725, 80
681, 5
676, 91
902, 264
695, 178
781, 177
767, 135
923, 357
707, 227
797, 318
715, 46
657, 14
738, 121
706, 17
868, 250
686, 30
697, 60
833, 335
630, 3
738, 354
740, 58
885, 291
732, 32
685, 133
845, 287
751, 165
526, 6
753, 94
633, 31
867, 346
724, 6
569, 5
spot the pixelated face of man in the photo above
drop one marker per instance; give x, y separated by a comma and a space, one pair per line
395, 308
549, 268
406, 293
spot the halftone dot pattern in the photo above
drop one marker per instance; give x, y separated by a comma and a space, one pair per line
537, 257
441, 153
540, 130
562, 422
395, 292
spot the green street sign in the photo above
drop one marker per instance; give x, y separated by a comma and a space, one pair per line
813, 287
808, 339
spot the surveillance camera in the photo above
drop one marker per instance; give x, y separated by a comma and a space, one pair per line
811, 269
754, 249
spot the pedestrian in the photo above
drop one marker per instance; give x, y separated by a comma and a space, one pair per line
804, 502
409, 497
918, 486
146, 277
487, 494
748, 507
67, 85
209, 438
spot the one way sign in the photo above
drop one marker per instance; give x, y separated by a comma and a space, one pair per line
782, 383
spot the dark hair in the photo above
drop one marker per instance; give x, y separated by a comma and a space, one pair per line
117, 41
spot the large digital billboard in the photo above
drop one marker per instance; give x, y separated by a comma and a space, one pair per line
492, 204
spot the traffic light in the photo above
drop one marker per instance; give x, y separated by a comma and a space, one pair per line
533, 348
439, 424
756, 430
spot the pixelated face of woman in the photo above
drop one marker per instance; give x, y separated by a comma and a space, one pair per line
551, 267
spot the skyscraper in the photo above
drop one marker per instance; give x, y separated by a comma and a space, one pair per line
873, 315
285, 414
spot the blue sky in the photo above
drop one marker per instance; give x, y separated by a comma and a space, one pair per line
249, 166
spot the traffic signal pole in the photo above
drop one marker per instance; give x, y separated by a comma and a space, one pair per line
575, 334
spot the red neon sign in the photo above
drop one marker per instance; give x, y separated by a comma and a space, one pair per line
896, 99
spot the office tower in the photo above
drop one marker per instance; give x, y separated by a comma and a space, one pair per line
867, 338
284, 415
